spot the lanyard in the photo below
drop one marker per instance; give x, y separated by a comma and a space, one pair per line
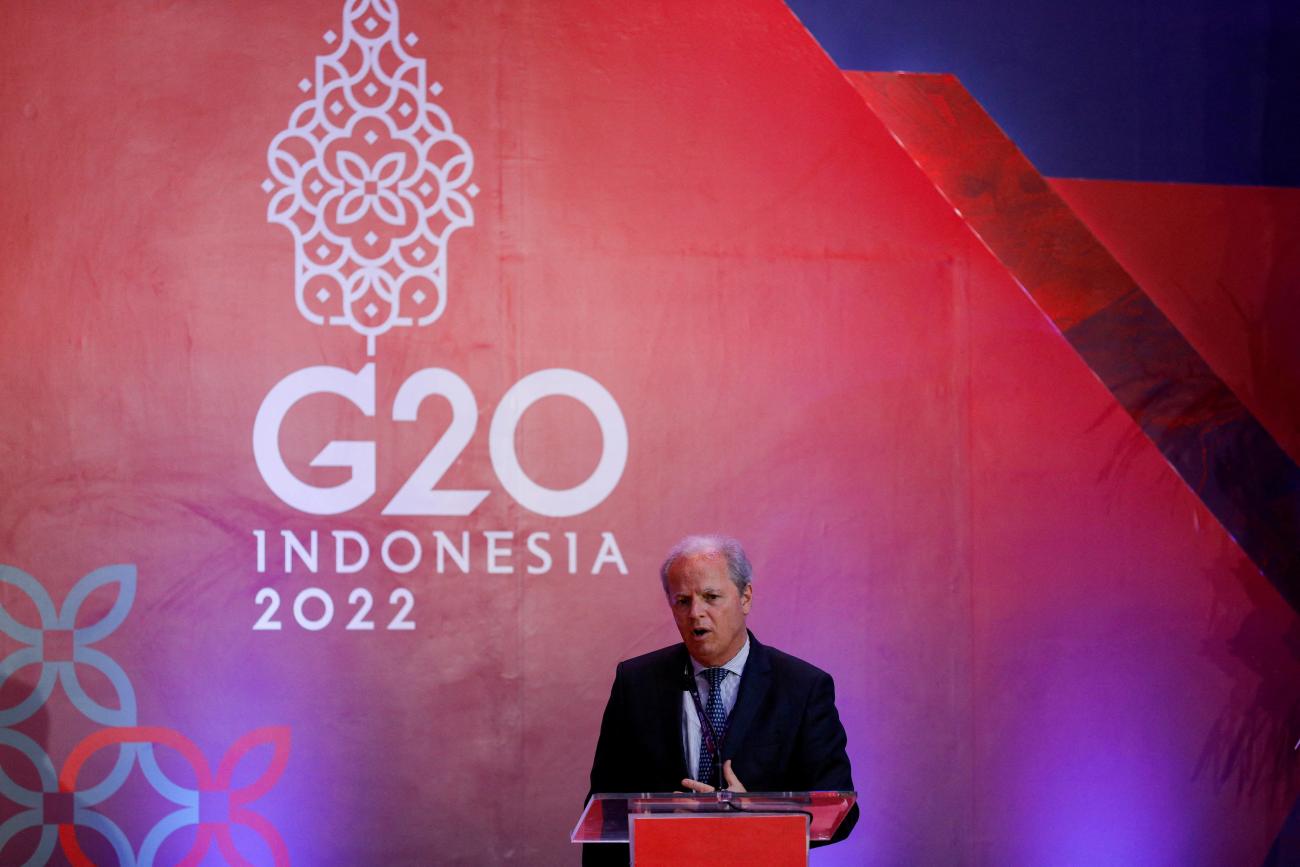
712, 739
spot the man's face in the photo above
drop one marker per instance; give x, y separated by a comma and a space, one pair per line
709, 611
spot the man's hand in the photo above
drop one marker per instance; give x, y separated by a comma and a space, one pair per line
733, 784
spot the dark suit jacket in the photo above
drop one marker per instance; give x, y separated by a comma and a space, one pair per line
784, 732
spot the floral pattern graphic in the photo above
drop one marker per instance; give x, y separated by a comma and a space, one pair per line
58, 647
58, 657
371, 179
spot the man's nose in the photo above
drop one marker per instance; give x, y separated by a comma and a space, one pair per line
697, 607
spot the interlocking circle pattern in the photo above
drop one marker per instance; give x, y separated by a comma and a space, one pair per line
58, 648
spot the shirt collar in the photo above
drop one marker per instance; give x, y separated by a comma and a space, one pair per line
736, 665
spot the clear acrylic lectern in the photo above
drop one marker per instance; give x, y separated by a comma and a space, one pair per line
780, 825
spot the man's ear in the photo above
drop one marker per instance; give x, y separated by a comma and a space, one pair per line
746, 598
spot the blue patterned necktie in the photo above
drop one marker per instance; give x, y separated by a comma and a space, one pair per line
717, 716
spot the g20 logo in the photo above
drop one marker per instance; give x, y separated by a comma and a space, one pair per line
420, 494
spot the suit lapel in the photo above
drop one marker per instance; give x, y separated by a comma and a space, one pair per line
753, 688
668, 711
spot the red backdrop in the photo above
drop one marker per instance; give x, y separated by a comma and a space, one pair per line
1045, 648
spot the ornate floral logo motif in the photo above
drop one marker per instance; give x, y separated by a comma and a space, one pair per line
372, 180
66, 801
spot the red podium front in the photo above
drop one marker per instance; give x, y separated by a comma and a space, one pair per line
758, 829
757, 839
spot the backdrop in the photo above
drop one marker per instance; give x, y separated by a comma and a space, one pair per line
362, 360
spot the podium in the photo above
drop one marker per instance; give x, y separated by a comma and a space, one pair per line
759, 829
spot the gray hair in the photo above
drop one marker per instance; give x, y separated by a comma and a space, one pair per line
742, 574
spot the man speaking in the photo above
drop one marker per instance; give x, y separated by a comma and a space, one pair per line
720, 710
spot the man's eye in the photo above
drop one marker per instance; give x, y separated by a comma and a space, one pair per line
711, 597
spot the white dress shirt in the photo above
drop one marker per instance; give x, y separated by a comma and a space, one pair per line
691, 736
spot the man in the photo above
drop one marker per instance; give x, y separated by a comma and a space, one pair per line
719, 710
